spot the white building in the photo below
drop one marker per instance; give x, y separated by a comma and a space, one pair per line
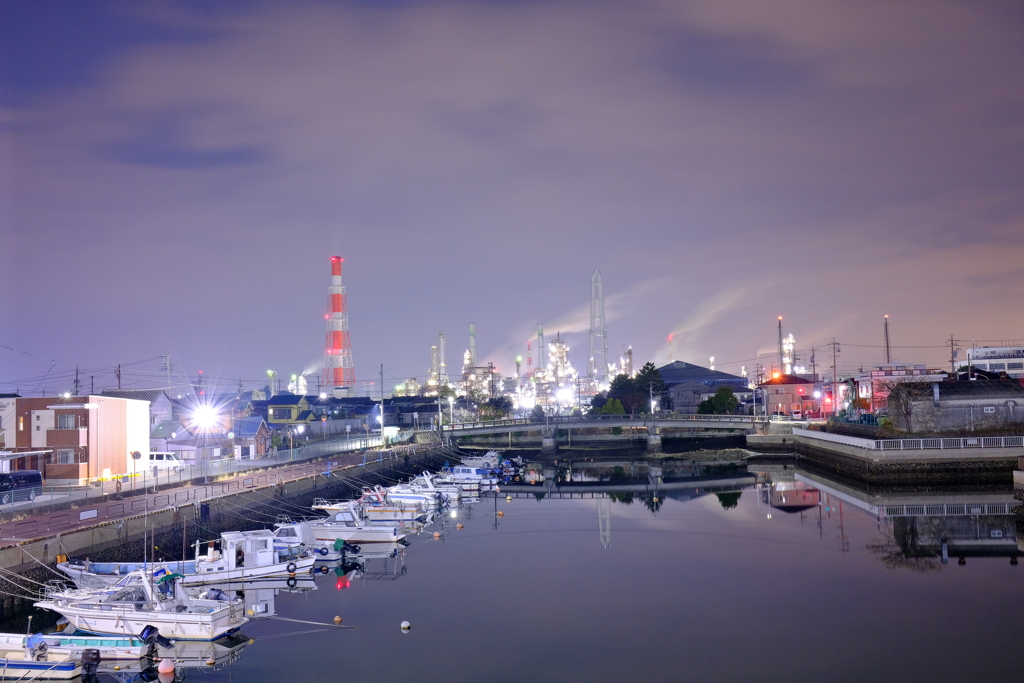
1008, 359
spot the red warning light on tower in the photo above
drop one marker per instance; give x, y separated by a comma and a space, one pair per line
339, 371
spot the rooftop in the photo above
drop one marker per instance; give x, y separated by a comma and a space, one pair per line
677, 372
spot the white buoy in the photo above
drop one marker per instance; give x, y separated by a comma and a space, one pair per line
508, 498
165, 666
406, 626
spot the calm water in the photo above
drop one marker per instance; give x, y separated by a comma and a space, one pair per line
706, 587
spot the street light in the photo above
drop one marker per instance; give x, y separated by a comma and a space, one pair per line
451, 410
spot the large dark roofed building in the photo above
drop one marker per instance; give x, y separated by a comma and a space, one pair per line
688, 384
678, 372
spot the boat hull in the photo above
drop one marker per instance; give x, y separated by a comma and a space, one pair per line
17, 669
175, 625
88, 579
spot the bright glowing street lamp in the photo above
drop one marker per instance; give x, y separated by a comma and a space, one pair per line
451, 409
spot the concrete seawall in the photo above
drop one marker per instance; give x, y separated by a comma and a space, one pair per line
994, 465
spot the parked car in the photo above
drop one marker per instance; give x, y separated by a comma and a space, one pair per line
20, 485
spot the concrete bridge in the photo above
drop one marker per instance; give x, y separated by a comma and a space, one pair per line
649, 427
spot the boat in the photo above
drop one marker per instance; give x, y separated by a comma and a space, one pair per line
424, 493
346, 524
143, 600
482, 477
24, 663
236, 556
111, 648
376, 507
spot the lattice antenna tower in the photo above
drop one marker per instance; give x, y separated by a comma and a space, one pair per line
339, 371
597, 371
888, 351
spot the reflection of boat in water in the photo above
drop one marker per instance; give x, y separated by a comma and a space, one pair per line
196, 654
236, 556
258, 595
143, 601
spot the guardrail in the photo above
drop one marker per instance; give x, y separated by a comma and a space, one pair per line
916, 444
588, 421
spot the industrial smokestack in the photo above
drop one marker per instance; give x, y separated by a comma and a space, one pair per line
442, 369
472, 344
339, 372
542, 361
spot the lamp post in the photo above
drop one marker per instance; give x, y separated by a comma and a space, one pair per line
451, 411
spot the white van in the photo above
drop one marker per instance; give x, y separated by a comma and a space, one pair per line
165, 461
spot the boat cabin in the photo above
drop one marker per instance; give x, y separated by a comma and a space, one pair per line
235, 550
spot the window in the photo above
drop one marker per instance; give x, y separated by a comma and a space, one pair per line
65, 456
281, 413
997, 366
989, 410
21, 423
1015, 366
67, 422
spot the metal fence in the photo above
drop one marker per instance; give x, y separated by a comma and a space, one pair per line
916, 444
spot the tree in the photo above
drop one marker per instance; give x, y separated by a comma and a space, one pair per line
613, 406
625, 390
495, 408
729, 500
901, 402
649, 379
444, 391
724, 402
537, 414
598, 401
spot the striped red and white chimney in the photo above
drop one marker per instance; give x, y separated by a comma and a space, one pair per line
339, 372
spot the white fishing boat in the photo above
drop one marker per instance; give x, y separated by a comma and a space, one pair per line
377, 508
442, 483
144, 600
429, 496
22, 663
236, 556
346, 524
483, 478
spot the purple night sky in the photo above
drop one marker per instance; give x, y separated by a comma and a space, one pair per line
175, 176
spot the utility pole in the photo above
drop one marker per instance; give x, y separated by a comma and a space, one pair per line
165, 365
888, 353
118, 373
78, 385
835, 374
92, 384
382, 404
814, 372
952, 356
